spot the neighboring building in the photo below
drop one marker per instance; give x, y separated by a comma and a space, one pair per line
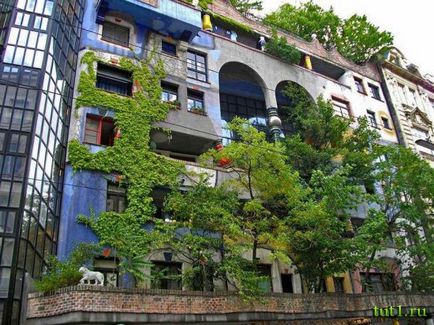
412, 99
213, 75
39, 42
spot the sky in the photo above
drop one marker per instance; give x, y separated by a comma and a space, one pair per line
410, 22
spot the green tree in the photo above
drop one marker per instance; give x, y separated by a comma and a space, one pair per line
245, 7
306, 20
260, 177
320, 140
206, 215
355, 38
406, 204
245, 211
319, 239
359, 39
335, 161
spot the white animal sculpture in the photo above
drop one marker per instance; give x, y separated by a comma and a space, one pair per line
88, 276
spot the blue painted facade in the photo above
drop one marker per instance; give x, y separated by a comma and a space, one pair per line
167, 17
91, 36
84, 193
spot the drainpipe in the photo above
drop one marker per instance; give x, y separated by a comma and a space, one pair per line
392, 110
275, 123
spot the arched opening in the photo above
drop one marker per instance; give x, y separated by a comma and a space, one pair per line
242, 95
285, 92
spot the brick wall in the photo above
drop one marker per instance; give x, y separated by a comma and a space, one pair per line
94, 299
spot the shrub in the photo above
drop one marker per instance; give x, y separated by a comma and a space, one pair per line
62, 274
279, 47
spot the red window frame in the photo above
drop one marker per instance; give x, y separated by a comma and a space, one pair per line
101, 120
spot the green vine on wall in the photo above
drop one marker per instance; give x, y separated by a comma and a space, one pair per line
140, 169
231, 22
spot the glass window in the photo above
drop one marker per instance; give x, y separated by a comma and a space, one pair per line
13, 36
372, 120
22, 40
116, 198
413, 95
265, 284
374, 91
21, 4
114, 80
195, 102
26, 19
37, 22
169, 92
341, 107
196, 66
31, 5
251, 109
44, 24
40, 6
33, 39
18, 18
420, 134
166, 275
109, 268
17, 143
99, 130
339, 284
2, 140
7, 252
9, 54
39, 58
4, 193
7, 221
168, 48
19, 56
28, 59
386, 123
378, 282
359, 85
116, 34
16, 195
5, 275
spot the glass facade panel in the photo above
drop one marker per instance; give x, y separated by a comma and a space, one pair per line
36, 79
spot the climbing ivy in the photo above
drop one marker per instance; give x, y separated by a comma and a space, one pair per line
131, 158
231, 22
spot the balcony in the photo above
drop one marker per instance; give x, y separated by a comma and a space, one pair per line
104, 305
168, 17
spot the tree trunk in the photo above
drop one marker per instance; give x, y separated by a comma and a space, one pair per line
368, 272
254, 250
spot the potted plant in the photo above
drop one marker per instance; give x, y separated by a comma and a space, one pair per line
175, 104
199, 111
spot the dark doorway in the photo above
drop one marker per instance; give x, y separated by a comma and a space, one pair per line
287, 283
